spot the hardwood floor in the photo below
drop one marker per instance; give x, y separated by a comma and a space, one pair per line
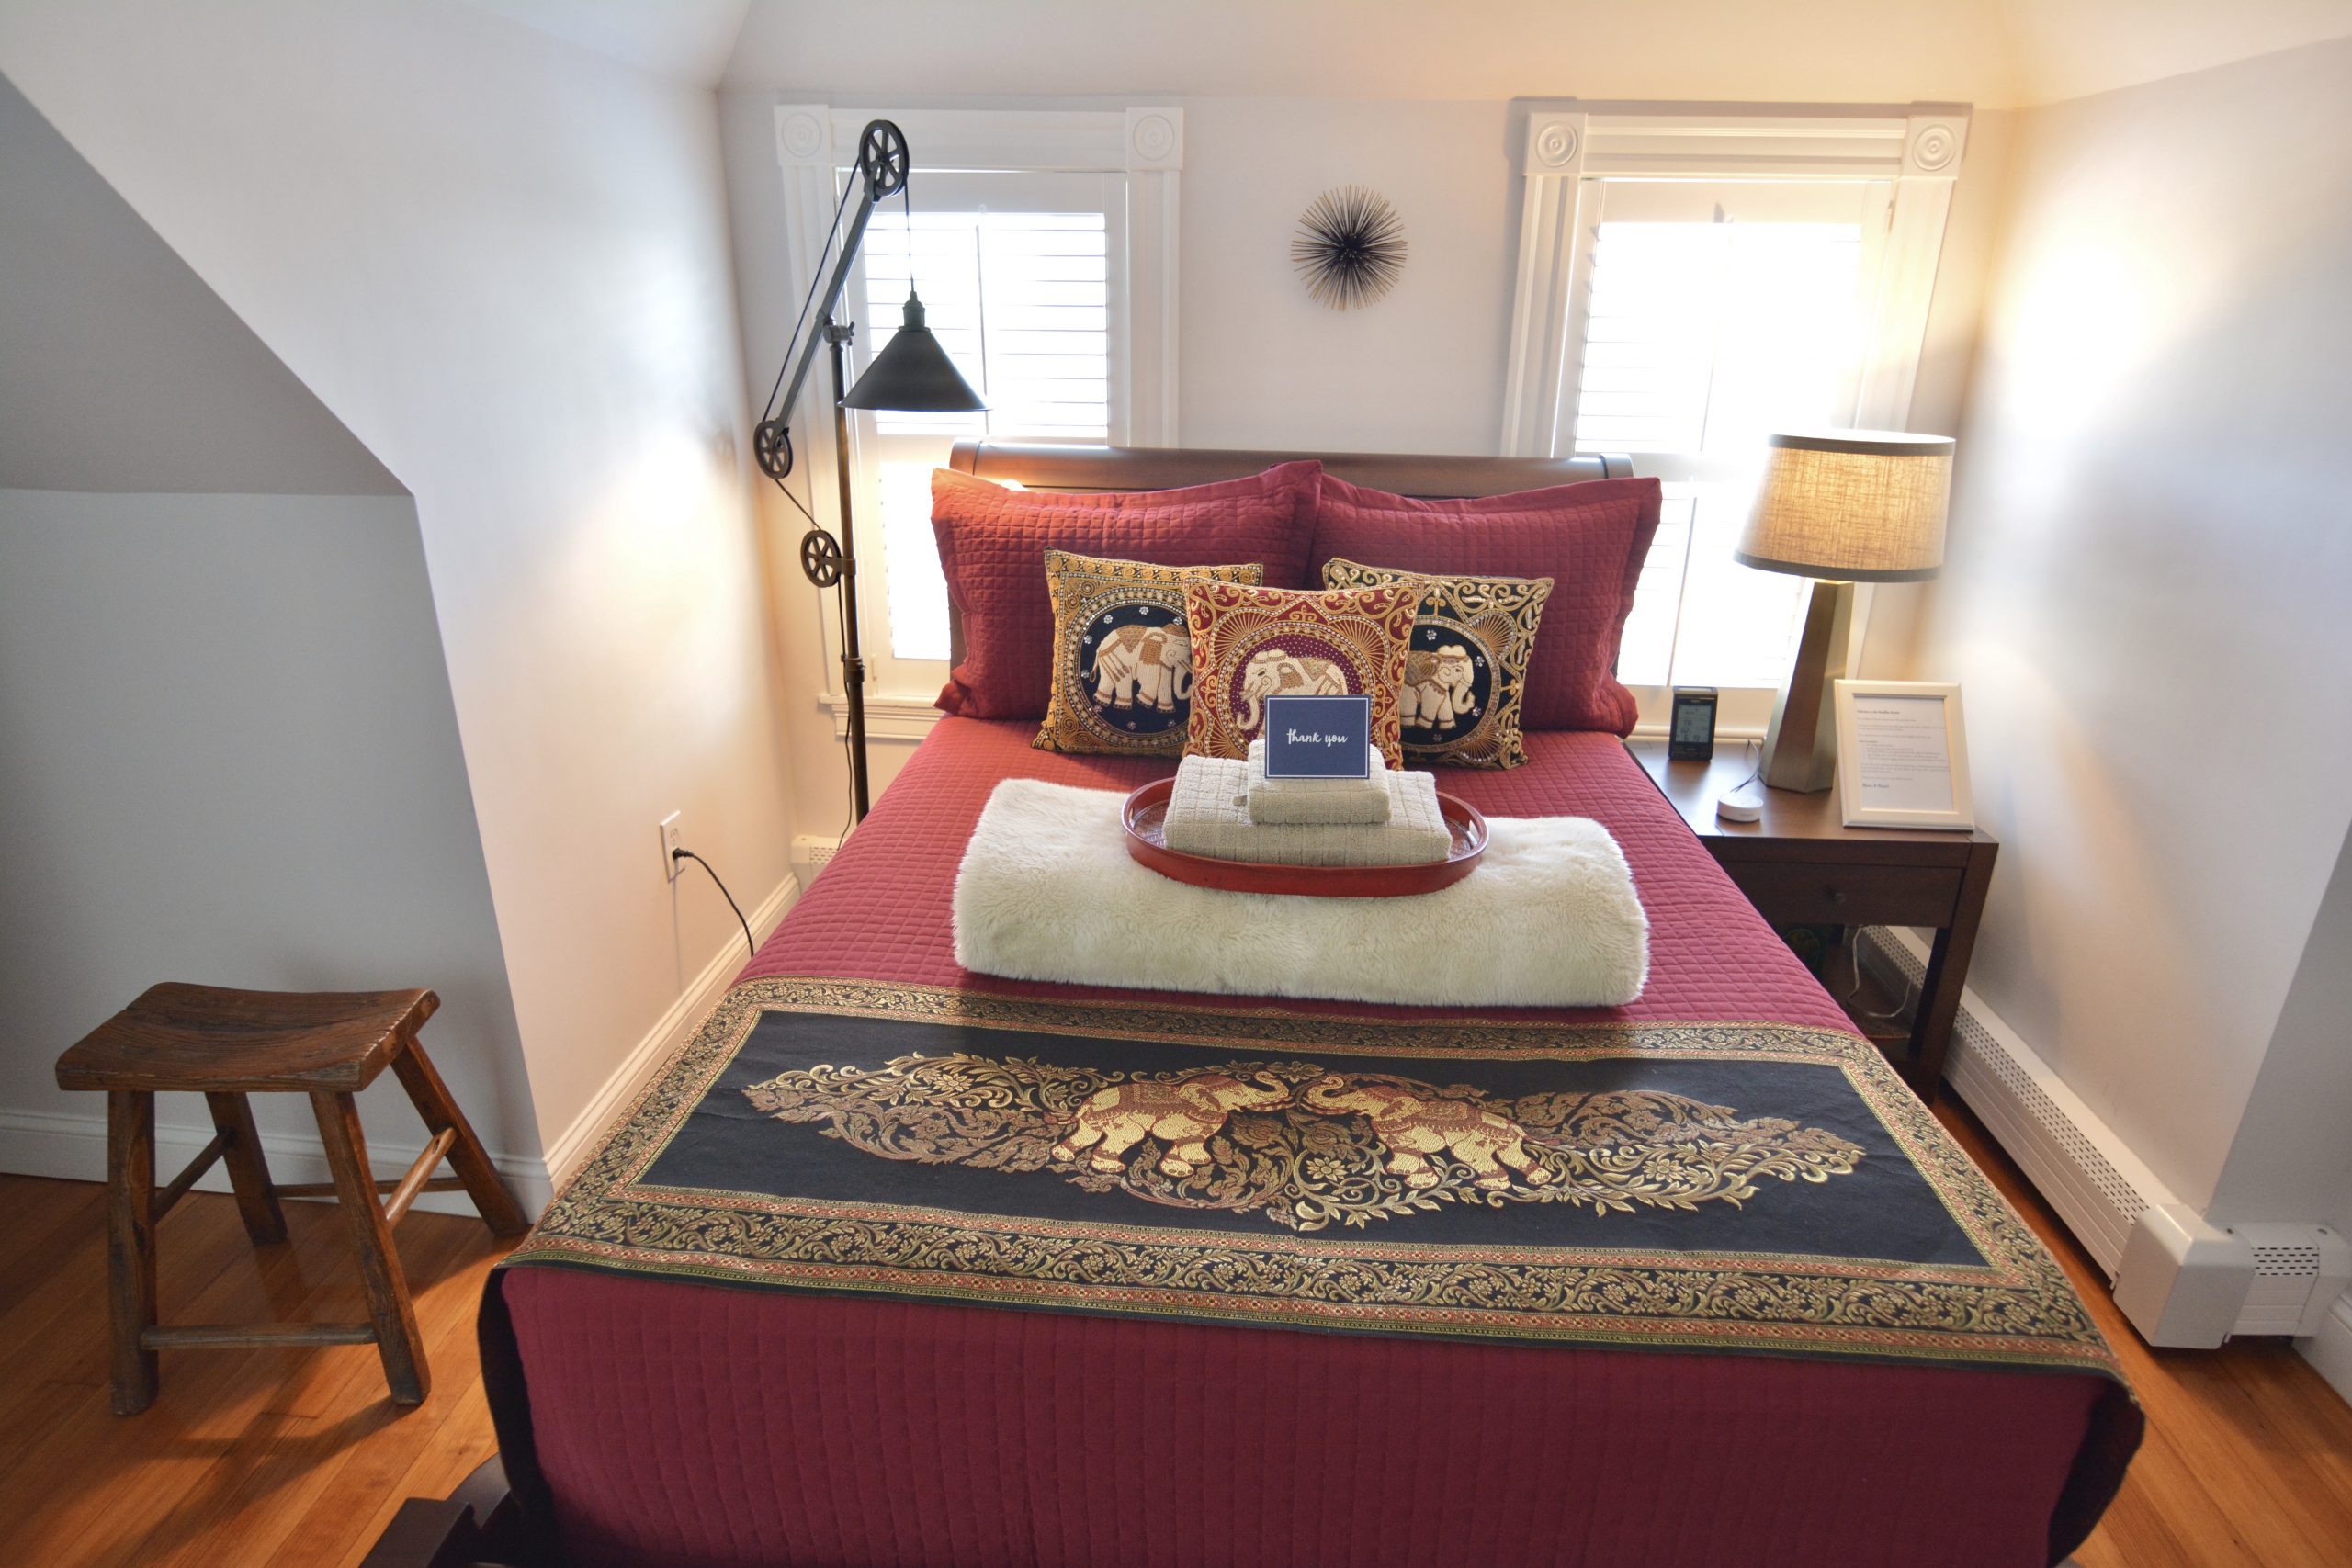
2248, 1457
248, 1456
295, 1457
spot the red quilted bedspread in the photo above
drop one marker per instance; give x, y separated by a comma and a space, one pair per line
665, 1422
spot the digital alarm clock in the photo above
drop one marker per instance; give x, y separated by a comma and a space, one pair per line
1690, 730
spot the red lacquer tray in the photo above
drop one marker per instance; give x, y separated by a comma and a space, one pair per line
1144, 816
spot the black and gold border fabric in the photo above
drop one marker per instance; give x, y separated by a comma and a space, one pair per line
1734, 1185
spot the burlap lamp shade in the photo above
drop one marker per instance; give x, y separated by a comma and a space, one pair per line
1848, 507
1858, 507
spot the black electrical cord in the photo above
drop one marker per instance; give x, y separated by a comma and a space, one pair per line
689, 855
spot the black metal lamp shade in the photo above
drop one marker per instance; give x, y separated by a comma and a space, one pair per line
913, 375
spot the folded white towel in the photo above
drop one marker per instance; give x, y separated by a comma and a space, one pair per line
1317, 800
1208, 814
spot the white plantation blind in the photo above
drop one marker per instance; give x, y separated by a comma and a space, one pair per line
1020, 276
1708, 314
1019, 301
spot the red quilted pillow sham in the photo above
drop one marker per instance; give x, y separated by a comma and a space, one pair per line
992, 544
1590, 539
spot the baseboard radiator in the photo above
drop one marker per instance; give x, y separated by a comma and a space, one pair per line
2182, 1281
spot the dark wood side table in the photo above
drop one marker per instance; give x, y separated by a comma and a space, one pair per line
1799, 864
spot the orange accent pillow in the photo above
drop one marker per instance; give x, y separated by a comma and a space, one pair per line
1252, 643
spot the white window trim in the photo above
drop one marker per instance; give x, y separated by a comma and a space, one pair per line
1145, 143
1566, 150
1569, 148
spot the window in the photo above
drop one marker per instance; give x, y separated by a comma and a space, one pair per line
1042, 245
1709, 315
1015, 272
1689, 284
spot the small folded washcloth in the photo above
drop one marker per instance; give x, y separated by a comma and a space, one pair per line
1208, 814
1317, 800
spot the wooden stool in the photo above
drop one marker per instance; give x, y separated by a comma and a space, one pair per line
226, 1045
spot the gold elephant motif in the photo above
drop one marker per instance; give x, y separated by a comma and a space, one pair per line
1412, 1126
1184, 1114
1438, 686
1271, 672
1141, 666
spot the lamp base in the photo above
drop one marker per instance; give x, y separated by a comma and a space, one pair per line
1801, 747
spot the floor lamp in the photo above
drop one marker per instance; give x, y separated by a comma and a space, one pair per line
1843, 507
912, 374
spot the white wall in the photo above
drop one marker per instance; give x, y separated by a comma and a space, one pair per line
119, 370
1991, 52
227, 747
2146, 594
2293, 1155
1262, 363
501, 260
229, 755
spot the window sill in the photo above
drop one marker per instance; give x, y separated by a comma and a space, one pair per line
886, 718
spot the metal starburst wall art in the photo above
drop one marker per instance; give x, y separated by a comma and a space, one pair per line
1349, 248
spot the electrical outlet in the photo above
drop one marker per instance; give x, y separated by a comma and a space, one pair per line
673, 838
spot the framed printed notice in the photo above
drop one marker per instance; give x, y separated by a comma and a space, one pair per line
1902, 755
1319, 737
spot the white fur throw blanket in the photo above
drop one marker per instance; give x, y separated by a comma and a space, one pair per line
1048, 892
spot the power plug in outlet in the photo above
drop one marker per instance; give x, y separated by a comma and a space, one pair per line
673, 838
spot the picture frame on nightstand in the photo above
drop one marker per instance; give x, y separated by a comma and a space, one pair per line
1903, 755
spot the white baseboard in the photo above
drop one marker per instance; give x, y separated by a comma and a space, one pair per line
2331, 1349
571, 1147
73, 1145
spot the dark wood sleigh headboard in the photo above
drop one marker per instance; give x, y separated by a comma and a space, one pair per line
1169, 468
1428, 478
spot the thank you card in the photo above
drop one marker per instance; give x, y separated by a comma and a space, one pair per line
1319, 737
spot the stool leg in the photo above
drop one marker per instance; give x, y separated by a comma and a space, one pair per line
397, 1339
233, 1117
130, 1244
467, 1157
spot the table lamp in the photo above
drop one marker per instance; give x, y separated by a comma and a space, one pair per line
1843, 507
911, 374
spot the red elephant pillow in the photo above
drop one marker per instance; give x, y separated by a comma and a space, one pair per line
1252, 643
1468, 667
1123, 658
992, 544
1590, 539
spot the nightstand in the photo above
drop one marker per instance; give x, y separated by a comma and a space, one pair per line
1801, 865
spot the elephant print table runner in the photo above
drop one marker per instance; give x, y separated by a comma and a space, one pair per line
1741, 1187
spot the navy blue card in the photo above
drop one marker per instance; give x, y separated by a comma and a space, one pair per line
1319, 737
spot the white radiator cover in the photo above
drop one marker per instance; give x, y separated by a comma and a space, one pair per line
2182, 1281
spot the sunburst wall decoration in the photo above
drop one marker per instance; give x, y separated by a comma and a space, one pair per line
1350, 247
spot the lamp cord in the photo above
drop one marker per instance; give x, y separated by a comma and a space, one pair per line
689, 855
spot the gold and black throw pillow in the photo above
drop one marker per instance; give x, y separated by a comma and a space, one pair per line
1123, 660
1467, 670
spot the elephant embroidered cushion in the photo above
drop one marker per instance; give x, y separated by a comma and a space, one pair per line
1250, 644
1590, 539
1468, 667
1123, 658
993, 544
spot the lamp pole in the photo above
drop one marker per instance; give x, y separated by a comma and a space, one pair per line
838, 337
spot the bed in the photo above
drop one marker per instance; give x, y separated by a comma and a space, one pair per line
690, 1416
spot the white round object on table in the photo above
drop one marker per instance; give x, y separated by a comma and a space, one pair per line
1745, 804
